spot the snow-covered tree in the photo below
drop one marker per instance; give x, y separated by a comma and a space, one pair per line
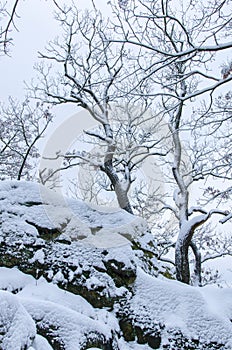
157, 53
92, 78
90, 71
7, 22
176, 47
9, 15
22, 126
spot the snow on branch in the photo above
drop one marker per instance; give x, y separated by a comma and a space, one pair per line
227, 218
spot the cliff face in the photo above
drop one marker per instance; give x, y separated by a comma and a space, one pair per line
77, 277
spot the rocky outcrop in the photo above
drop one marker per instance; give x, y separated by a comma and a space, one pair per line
108, 259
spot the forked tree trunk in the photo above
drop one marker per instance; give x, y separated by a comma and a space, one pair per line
184, 241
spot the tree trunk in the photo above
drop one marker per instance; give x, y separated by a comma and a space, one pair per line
182, 262
197, 268
120, 188
184, 241
122, 197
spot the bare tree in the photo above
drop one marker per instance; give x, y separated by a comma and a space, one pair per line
162, 55
8, 16
176, 46
82, 80
92, 75
22, 126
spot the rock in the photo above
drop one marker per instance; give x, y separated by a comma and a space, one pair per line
109, 259
17, 328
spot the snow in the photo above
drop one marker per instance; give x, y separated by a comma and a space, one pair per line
123, 255
132, 346
219, 301
42, 290
38, 256
36, 205
17, 328
40, 343
101, 239
204, 314
50, 306
13, 280
155, 300
200, 313
69, 326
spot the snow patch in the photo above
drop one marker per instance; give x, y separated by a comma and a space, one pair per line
17, 328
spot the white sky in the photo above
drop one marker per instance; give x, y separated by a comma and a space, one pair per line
36, 26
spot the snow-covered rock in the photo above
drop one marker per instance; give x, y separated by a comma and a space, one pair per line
161, 310
17, 328
95, 281
34, 209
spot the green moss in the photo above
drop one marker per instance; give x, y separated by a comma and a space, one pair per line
141, 337
127, 330
121, 275
168, 274
45, 233
95, 298
147, 253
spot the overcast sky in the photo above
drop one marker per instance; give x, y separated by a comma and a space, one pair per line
36, 26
